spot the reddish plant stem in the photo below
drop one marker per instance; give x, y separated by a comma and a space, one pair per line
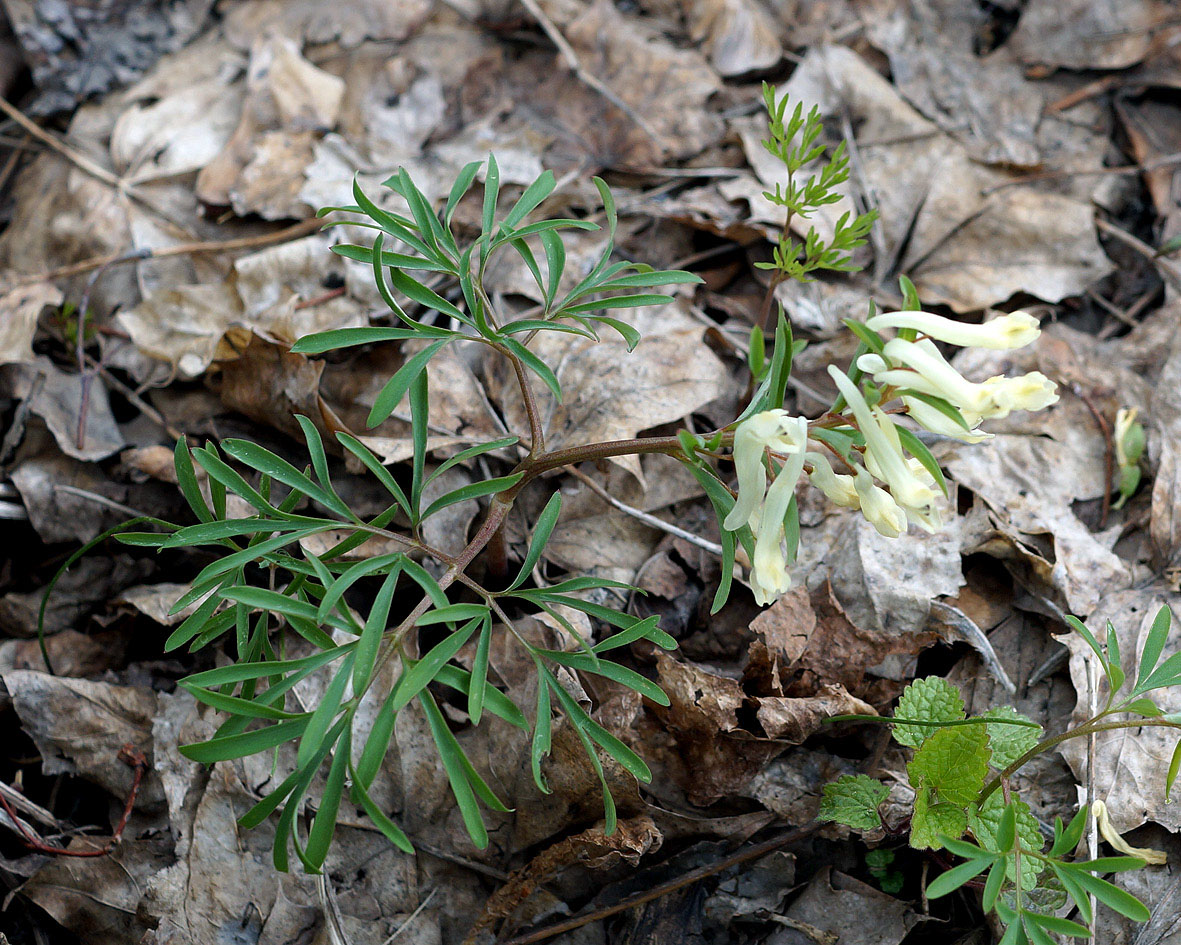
130, 756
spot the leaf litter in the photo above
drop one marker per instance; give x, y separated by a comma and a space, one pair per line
172, 159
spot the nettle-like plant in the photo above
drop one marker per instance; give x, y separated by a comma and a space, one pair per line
283, 612
954, 797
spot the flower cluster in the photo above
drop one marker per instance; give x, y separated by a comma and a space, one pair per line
892, 490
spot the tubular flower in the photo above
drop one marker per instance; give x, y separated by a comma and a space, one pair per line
774, 429
1117, 842
883, 453
930, 373
931, 419
1006, 331
765, 509
839, 489
879, 507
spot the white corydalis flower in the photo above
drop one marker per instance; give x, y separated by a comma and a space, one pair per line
771, 428
883, 451
838, 489
762, 508
1015, 330
930, 373
879, 507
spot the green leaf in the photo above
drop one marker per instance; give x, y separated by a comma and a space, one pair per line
463, 183
395, 388
248, 743
542, 529
418, 677
1174, 767
954, 762
186, 478
555, 263
374, 631
620, 674
932, 821
350, 337
222, 473
646, 629
536, 365
419, 418
1081, 629
629, 334
324, 714
955, 877
395, 225
992, 885
282, 471
491, 192
1115, 672
478, 682
627, 758
495, 701
236, 560
208, 533
457, 774
471, 452
986, 824
1066, 839
614, 302
1059, 926
474, 490
350, 576
1112, 896
542, 732
918, 449
239, 672
193, 623
452, 613
426, 297
932, 699
1009, 742
534, 194
655, 277
234, 705
1154, 645
853, 800
373, 464
866, 335
392, 832
324, 823
367, 254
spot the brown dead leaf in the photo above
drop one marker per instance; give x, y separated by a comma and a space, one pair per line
58, 398
20, 307
667, 88
72, 653
740, 35
310, 21
1087, 34
838, 908
288, 100
793, 720
79, 727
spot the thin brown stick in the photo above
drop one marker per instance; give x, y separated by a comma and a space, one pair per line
75, 157
688, 879
1167, 269
303, 228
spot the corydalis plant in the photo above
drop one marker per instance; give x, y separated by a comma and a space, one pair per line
958, 807
285, 613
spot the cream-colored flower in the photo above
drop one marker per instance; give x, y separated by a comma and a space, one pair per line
1032, 391
771, 428
931, 419
879, 507
839, 489
1006, 331
768, 575
883, 450
765, 509
930, 373
1149, 856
